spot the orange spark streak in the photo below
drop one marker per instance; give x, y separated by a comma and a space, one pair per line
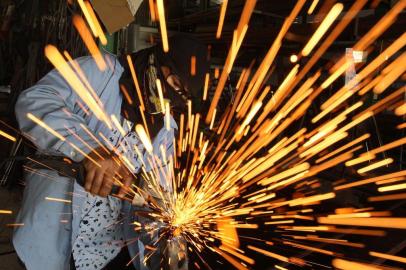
359, 160
45, 126
312, 7
8, 212
167, 117
126, 94
322, 29
401, 126
7, 136
206, 86
118, 125
388, 256
295, 170
342, 24
396, 179
311, 199
323, 251
231, 260
83, 78
193, 65
161, 96
95, 139
55, 57
89, 20
236, 254
395, 223
162, 23
335, 75
245, 17
144, 137
348, 145
279, 222
99, 30
401, 110
221, 18
400, 196
89, 42
212, 119
269, 254
57, 200
371, 180
350, 265
398, 69
137, 86
392, 187
194, 131
152, 10
15, 224
375, 165
329, 240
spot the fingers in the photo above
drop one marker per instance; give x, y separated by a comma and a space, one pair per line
89, 179
138, 200
97, 181
106, 186
127, 180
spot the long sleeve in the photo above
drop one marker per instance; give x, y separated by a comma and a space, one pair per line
54, 102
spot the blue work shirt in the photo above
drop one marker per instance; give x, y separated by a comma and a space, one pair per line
49, 228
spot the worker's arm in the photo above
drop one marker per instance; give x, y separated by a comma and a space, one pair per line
54, 102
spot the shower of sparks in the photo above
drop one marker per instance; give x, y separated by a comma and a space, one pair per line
259, 174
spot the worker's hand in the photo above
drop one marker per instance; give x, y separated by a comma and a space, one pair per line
127, 179
100, 172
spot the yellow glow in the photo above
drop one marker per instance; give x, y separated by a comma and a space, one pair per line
293, 58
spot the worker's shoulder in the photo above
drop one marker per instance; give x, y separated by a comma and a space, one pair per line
108, 63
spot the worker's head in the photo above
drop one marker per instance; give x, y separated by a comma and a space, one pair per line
183, 68
181, 72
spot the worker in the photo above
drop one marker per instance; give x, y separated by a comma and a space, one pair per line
67, 226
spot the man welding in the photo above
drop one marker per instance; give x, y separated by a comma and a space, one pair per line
67, 226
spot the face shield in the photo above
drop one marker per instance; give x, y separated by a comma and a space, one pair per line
176, 69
